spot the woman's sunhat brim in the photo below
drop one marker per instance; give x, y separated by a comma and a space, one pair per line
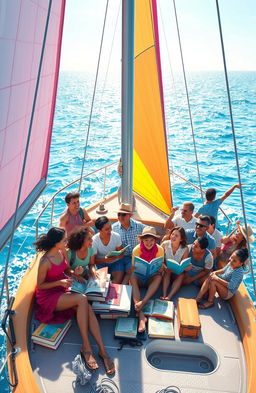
250, 236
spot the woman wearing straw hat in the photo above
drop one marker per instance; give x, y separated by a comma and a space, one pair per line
147, 250
236, 240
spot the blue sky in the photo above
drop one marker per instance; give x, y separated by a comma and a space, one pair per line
198, 29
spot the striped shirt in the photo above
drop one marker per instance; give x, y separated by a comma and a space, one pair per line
129, 236
234, 277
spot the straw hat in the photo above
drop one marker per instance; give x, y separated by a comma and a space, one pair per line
249, 231
148, 231
125, 208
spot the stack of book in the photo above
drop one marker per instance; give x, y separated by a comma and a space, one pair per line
94, 289
126, 327
50, 335
117, 303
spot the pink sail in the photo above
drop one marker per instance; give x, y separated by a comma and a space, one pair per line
22, 30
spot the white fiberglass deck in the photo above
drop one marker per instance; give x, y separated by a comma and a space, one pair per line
134, 374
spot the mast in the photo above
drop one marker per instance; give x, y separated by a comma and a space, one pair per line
127, 99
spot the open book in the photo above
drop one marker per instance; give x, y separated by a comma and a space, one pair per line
157, 308
117, 253
178, 267
92, 286
50, 335
147, 269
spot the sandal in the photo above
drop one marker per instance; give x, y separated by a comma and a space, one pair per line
91, 364
108, 364
205, 305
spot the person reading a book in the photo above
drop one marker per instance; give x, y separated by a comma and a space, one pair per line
81, 253
128, 229
235, 241
202, 263
74, 216
104, 242
146, 250
54, 301
175, 249
224, 281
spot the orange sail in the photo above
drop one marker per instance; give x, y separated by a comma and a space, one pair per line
150, 161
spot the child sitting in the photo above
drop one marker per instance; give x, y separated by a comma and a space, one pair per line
224, 281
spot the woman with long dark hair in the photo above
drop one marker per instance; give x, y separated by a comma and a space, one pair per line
54, 301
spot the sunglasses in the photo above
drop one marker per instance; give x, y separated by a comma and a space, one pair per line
201, 225
121, 214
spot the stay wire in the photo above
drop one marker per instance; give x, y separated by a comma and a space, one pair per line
189, 109
93, 96
5, 281
234, 141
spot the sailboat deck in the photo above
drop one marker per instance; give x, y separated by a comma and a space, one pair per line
134, 374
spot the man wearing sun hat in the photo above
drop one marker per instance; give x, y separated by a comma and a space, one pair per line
128, 229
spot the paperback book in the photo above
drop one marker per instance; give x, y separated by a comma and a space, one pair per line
50, 335
162, 309
92, 286
126, 327
178, 267
117, 253
158, 328
147, 269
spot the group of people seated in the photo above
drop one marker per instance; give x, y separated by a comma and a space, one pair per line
74, 251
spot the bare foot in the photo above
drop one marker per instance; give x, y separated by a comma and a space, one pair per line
142, 323
138, 306
164, 298
108, 363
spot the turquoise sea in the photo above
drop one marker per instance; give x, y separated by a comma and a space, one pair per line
213, 138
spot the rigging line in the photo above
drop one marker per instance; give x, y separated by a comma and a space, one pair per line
234, 140
106, 74
26, 153
189, 109
93, 96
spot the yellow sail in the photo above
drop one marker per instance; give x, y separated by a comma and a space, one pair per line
150, 162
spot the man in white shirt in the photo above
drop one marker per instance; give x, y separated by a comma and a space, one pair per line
185, 220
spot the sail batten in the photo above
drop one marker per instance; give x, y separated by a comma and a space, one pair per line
150, 164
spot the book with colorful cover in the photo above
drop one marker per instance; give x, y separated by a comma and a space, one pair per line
92, 286
178, 267
147, 269
158, 328
114, 294
124, 305
126, 327
100, 297
50, 335
116, 253
162, 309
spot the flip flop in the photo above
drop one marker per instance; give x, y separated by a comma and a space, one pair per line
108, 364
206, 305
89, 363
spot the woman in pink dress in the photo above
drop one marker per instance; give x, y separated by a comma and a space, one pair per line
55, 303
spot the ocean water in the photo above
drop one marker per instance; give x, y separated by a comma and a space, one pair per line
213, 140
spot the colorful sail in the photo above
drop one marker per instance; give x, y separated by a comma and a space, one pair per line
22, 30
150, 161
